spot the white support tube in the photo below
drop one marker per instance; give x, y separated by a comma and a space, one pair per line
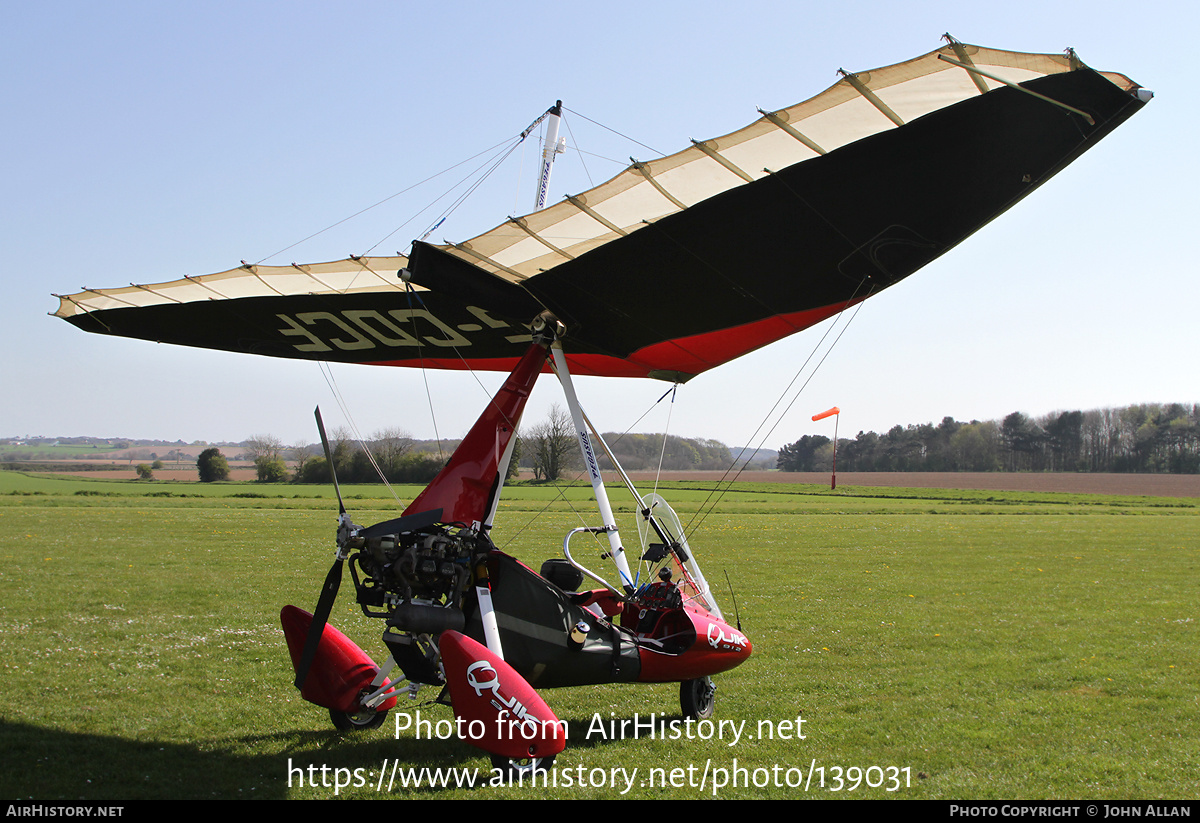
487, 614
387, 691
613, 459
383, 687
593, 466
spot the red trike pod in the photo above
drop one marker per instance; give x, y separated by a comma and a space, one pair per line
340, 671
500, 712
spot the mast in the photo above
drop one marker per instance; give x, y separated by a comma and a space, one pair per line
553, 145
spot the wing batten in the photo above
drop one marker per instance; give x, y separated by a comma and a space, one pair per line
870, 96
777, 119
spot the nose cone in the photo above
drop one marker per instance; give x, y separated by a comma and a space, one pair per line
713, 647
728, 643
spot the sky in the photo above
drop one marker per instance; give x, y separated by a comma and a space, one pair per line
148, 141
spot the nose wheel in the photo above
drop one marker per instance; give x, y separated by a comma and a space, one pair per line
697, 698
365, 719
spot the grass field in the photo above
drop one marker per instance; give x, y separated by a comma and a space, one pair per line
977, 644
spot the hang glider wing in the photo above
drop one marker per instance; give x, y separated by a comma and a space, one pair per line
681, 263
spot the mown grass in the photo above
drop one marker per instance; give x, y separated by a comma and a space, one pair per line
995, 644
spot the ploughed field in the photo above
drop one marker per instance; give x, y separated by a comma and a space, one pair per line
1156, 485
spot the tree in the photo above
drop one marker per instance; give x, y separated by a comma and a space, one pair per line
341, 448
858, 455
974, 447
390, 447
314, 470
212, 466
1064, 435
264, 445
1021, 436
514, 463
801, 455
144, 472
554, 445
301, 454
270, 469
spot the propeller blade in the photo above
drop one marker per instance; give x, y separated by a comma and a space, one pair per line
329, 460
333, 582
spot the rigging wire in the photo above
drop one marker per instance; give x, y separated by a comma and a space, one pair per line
510, 142
340, 399
624, 164
614, 131
412, 316
495, 162
575, 143
701, 513
471, 190
516, 209
663, 452
385, 200
560, 490
497, 154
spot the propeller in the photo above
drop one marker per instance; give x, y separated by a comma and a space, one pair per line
333, 580
349, 536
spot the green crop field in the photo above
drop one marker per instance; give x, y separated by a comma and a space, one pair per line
935, 644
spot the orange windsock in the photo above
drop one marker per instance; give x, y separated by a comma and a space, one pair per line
824, 414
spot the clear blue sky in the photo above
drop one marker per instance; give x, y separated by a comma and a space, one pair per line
146, 141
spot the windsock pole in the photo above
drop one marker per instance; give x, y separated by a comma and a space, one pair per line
836, 413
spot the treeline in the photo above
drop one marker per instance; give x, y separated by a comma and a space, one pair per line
390, 453
550, 448
402, 462
354, 465
1149, 437
641, 452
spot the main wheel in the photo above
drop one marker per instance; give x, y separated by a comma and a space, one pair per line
364, 718
697, 698
514, 768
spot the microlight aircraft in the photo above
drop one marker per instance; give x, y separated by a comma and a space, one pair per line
754, 235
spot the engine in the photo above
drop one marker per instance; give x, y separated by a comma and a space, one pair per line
429, 567
417, 580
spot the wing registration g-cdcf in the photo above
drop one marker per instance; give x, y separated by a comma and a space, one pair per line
755, 235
